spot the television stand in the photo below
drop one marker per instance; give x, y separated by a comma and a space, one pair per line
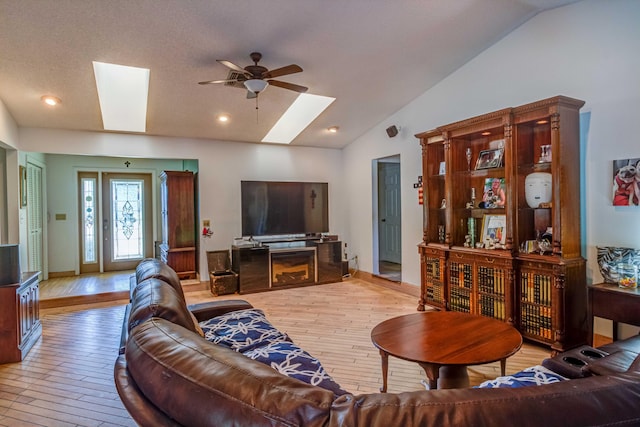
286, 263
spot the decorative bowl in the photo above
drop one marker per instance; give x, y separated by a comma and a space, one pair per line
610, 256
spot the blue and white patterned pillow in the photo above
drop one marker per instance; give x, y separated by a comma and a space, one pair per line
241, 330
292, 361
535, 375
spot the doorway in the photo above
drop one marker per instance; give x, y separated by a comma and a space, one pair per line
121, 204
389, 218
32, 181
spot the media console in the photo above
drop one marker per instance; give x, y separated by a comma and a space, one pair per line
278, 264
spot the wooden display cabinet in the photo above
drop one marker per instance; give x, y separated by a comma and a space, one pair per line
499, 275
178, 248
546, 140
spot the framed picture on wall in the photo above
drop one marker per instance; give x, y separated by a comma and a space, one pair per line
626, 182
23, 186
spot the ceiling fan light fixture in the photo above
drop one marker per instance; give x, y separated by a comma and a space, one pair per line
256, 85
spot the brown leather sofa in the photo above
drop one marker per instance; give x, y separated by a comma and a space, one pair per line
168, 375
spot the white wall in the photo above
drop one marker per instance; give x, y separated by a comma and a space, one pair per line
222, 165
589, 50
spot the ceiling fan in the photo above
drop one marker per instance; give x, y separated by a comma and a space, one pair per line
255, 78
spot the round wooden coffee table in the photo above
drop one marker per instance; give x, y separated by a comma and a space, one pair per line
444, 343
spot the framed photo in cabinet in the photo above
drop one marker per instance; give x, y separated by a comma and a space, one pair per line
494, 228
489, 159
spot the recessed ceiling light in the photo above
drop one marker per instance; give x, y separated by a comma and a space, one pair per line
51, 100
333, 129
542, 122
223, 118
485, 133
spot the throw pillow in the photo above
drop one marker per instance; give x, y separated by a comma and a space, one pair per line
241, 330
535, 375
292, 361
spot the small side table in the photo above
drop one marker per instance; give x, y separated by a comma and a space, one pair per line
609, 301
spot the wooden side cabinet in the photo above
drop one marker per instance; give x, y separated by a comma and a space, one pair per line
178, 248
20, 326
501, 220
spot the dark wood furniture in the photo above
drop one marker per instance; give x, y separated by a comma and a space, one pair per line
255, 264
20, 326
178, 248
444, 343
329, 254
252, 266
543, 295
609, 301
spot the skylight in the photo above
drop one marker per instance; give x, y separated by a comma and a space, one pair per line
123, 93
305, 109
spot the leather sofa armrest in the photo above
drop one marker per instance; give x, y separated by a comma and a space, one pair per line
207, 310
124, 334
145, 413
615, 363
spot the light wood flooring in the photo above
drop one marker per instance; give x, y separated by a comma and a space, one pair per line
66, 380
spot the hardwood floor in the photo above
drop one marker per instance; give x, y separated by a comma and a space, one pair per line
66, 380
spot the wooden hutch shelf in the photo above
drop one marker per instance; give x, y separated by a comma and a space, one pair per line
485, 257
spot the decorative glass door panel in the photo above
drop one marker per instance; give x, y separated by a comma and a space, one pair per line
88, 222
126, 220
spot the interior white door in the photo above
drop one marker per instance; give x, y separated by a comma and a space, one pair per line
35, 223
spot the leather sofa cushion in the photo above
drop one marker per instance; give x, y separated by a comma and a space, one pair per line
198, 383
155, 298
150, 268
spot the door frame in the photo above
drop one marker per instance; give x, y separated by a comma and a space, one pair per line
100, 171
395, 158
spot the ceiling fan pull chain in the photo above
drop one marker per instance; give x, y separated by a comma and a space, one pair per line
257, 121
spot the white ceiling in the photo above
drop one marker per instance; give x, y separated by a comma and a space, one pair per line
374, 56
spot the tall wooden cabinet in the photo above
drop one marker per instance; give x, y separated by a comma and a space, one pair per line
20, 326
178, 248
511, 251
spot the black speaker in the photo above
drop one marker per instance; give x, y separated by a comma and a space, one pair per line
9, 264
392, 131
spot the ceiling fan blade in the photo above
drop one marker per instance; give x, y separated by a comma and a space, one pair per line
283, 71
231, 65
290, 86
217, 81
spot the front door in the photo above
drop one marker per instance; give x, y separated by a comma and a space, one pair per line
127, 226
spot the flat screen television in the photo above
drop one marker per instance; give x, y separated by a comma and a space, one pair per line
277, 208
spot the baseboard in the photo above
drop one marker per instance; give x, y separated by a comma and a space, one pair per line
403, 287
56, 274
84, 299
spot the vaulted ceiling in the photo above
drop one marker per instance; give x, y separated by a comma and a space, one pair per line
373, 56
